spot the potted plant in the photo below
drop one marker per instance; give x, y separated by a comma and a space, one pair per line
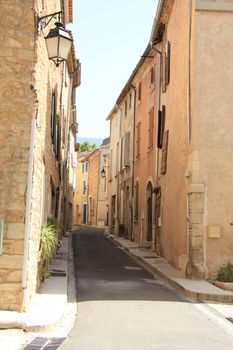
225, 277
48, 244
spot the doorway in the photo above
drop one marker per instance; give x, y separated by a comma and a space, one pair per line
84, 213
113, 209
149, 191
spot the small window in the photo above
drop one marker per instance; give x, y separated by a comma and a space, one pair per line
126, 108
161, 126
84, 187
86, 167
139, 91
151, 128
83, 168
152, 75
130, 100
138, 140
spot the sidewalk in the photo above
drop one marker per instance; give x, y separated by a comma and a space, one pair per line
195, 289
46, 309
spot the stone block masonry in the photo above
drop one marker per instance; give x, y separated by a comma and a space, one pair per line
24, 64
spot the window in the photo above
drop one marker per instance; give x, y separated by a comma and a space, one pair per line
126, 107
138, 140
83, 168
86, 167
130, 100
127, 149
152, 75
136, 200
164, 153
55, 129
84, 187
161, 126
166, 62
151, 128
139, 91
111, 166
117, 158
122, 153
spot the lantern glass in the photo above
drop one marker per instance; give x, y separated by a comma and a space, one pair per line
58, 43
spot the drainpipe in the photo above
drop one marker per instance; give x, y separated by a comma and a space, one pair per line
158, 103
28, 205
132, 206
189, 72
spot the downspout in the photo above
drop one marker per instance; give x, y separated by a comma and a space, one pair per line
189, 72
188, 115
133, 180
28, 205
159, 105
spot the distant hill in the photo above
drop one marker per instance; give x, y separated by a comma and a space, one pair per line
91, 140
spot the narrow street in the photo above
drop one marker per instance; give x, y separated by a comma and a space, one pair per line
122, 306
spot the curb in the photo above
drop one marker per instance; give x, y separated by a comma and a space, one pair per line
186, 292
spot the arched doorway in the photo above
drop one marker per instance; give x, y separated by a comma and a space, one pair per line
149, 191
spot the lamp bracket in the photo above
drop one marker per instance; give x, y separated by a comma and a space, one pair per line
43, 21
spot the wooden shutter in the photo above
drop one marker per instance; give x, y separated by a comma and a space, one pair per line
168, 62
161, 126
163, 73
127, 145
138, 139
164, 153
53, 113
151, 128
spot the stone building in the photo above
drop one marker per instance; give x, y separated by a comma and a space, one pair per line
115, 119
103, 186
93, 186
35, 117
80, 209
145, 155
194, 39
133, 125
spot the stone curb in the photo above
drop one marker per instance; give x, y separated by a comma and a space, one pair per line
224, 298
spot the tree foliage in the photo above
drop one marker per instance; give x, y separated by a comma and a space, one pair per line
87, 146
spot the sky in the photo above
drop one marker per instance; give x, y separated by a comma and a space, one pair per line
109, 36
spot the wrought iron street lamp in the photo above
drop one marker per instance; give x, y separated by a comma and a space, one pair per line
58, 40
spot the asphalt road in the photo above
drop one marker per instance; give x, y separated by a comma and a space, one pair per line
121, 306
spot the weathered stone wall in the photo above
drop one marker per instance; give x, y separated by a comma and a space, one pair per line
212, 124
27, 81
46, 79
16, 113
174, 223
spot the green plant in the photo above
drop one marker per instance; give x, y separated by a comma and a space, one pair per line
48, 244
225, 273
